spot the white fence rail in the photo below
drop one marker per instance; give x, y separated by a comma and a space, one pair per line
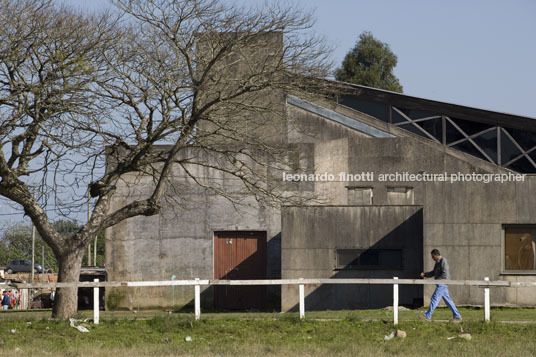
96, 285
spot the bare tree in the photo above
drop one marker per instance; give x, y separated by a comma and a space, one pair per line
176, 85
50, 59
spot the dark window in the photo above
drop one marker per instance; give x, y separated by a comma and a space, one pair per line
377, 110
369, 258
533, 155
452, 133
469, 148
397, 118
525, 139
519, 248
508, 149
523, 165
411, 113
413, 129
470, 127
387, 259
488, 143
434, 127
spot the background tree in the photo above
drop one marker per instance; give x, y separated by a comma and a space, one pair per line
370, 63
75, 88
16, 243
50, 61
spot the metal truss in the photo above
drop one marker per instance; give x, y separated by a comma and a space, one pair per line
496, 150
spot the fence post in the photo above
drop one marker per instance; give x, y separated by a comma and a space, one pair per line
302, 300
96, 304
486, 302
197, 308
395, 302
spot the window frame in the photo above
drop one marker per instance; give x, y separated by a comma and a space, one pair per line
504, 271
408, 191
350, 189
339, 267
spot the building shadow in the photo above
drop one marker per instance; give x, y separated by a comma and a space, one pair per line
399, 253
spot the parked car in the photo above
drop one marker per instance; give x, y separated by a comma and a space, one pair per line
21, 266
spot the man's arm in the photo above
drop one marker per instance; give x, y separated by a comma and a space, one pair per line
427, 274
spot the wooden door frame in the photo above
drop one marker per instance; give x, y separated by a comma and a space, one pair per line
261, 236
215, 231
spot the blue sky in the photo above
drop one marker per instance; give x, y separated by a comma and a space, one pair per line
479, 53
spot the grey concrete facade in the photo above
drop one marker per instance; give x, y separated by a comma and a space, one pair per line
464, 220
317, 233
178, 243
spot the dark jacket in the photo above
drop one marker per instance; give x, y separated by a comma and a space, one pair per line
441, 270
6, 300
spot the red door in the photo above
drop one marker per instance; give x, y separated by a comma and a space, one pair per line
239, 255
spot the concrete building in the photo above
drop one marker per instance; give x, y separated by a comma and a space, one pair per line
408, 175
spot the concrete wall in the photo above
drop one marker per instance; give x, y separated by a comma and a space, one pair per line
312, 235
468, 229
463, 220
179, 241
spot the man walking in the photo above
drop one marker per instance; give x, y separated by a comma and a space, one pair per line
440, 272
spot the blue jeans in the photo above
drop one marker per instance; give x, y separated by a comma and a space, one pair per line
442, 291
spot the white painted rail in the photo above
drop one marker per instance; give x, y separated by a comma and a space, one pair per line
197, 300
96, 304
197, 283
302, 300
395, 302
486, 303
106, 284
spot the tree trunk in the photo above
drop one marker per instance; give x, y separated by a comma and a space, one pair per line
66, 299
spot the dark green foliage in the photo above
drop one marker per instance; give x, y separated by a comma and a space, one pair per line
370, 63
16, 243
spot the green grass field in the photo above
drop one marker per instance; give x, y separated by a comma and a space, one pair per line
324, 333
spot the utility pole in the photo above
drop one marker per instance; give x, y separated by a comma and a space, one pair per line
33, 245
95, 252
43, 262
33, 252
89, 245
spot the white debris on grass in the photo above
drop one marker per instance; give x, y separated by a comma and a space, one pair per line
465, 336
188, 339
81, 327
389, 337
397, 333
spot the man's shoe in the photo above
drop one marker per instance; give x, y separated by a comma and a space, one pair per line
457, 320
424, 318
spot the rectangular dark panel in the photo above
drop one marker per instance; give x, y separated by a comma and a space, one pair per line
377, 110
370, 259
